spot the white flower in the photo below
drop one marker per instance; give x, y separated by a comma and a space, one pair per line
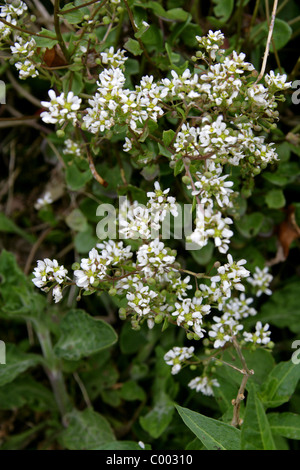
26, 69
92, 269
48, 271
43, 201
230, 275
204, 385
57, 294
261, 335
112, 58
140, 300
176, 356
72, 148
261, 280
61, 108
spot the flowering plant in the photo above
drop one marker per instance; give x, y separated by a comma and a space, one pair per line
169, 141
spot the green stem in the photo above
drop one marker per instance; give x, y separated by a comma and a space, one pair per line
53, 371
58, 31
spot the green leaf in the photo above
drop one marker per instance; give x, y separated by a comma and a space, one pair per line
75, 178
214, 434
26, 390
249, 225
17, 362
83, 335
168, 136
283, 308
46, 42
179, 167
275, 199
77, 221
285, 424
280, 384
223, 9
87, 430
131, 391
85, 241
256, 432
21, 441
158, 419
282, 33
7, 225
133, 46
74, 17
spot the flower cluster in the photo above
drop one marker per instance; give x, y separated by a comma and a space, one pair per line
261, 280
176, 357
61, 108
10, 11
204, 385
261, 335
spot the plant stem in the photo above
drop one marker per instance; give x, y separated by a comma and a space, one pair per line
53, 372
240, 396
58, 31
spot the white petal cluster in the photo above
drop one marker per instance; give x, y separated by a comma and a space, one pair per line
212, 43
261, 280
113, 103
261, 335
43, 201
10, 11
140, 300
160, 204
239, 307
213, 225
112, 58
154, 258
72, 148
176, 357
189, 314
230, 275
204, 385
48, 271
61, 109
224, 328
26, 69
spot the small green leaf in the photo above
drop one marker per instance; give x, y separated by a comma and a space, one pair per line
280, 384
17, 362
214, 434
256, 432
7, 225
275, 199
77, 221
133, 46
168, 136
131, 391
158, 419
26, 390
282, 33
249, 225
46, 42
223, 9
75, 178
75, 16
285, 424
83, 335
87, 430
